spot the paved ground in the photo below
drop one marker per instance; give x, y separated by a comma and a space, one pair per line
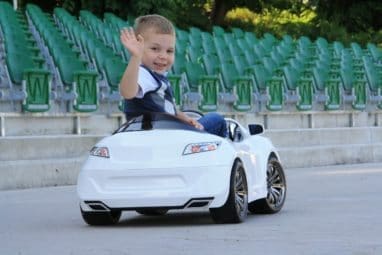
331, 210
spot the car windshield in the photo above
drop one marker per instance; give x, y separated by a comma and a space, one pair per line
151, 121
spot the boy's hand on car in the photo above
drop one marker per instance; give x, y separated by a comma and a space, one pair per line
134, 44
195, 123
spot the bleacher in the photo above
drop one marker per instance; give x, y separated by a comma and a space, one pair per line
74, 64
67, 67
319, 101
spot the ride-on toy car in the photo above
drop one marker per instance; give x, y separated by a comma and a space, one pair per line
155, 163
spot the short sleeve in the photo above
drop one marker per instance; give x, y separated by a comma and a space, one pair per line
146, 82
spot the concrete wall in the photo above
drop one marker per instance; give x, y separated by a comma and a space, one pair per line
39, 150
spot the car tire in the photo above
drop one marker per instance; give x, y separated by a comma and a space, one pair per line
101, 218
235, 209
276, 184
152, 212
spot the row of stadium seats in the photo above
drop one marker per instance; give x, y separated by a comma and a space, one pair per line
79, 63
283, 71
29, 81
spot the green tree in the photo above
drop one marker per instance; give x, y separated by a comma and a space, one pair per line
354, 15
344, 20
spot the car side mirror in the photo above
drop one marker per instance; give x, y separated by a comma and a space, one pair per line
255, 129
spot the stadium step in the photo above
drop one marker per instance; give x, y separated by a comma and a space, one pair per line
35, 161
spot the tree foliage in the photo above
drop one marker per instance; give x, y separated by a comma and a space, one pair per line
345, 20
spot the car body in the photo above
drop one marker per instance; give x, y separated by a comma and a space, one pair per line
155, 163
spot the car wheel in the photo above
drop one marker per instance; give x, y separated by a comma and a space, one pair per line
276, 183
101, 218
235, 209
152, 212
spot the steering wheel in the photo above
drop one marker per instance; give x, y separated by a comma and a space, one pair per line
193, 114
233, 131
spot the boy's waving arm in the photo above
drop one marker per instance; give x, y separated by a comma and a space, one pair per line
135, 45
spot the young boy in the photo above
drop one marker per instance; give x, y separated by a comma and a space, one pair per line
144, 84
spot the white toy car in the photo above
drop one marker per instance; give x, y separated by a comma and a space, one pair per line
155, 163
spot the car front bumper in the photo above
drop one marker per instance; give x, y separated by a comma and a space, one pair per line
172, 188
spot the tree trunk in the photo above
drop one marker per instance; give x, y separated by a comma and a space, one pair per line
219, 10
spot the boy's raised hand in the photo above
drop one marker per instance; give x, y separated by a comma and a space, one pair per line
134, 44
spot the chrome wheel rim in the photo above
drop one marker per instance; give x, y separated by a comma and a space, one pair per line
276, 185
241, 193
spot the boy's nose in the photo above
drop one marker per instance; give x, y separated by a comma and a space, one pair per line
162, 55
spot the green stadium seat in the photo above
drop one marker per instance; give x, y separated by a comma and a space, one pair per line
240, 63
79, 84
218, 31
273, 66
224, 55
269, 86
328, 84
251, 38
209, 47
195, 32
252, 58
229, 38
211, 64
357, 50
287, 39
238, 32
32, 53
322, 43
286, 50
260, 51
181, 47
176, 84
85, 85
179, 64
182, 35
275, 91
100, 55
114, 68
31, 84
206, 86
375, 52
210, 98
243, 44
220, 43
354, 85
374, 80
107, 36
337, 48
59, 51
239, 85
119, 49
195, 53
115, 22
300, 86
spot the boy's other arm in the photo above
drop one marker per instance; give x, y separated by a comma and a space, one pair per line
135, 45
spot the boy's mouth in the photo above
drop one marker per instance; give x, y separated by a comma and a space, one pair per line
160, 65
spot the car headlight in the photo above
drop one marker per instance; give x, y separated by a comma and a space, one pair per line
200, 147
100, 152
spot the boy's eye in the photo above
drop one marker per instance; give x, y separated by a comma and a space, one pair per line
170, 51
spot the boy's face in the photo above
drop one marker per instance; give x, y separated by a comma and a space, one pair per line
159, 51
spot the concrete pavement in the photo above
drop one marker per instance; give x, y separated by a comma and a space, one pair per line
329, 210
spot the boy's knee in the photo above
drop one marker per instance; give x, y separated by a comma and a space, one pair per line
213, 116
215, 123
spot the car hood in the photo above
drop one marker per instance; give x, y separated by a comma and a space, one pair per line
163, 146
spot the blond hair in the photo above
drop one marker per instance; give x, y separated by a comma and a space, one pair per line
157, 22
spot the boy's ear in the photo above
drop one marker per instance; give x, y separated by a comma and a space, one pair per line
140, 38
